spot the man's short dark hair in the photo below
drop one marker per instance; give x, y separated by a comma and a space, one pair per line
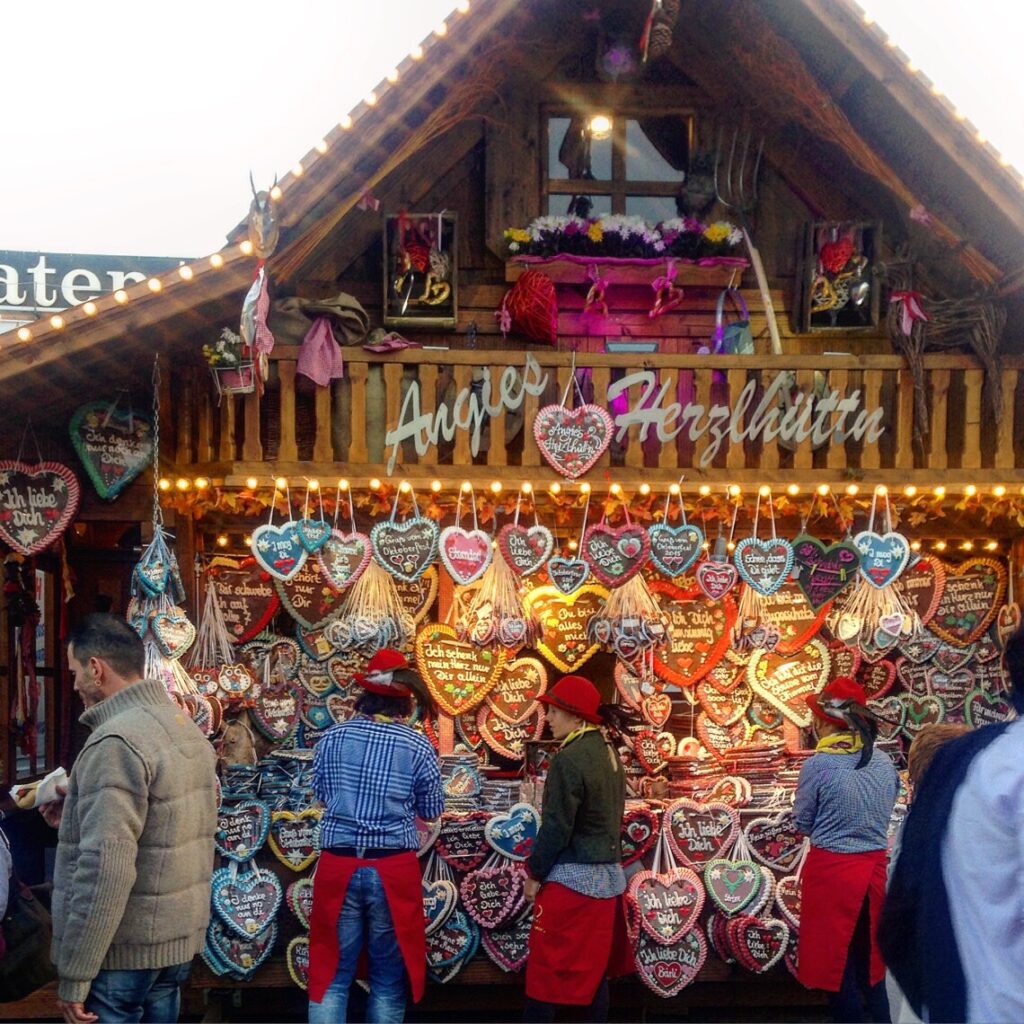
377, 704
112, 639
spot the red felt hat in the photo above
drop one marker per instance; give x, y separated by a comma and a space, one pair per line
841, 688
379, 671
576, 695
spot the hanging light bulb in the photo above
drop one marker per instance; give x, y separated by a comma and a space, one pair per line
314, 485
734, 490
155, 284
57, 322
999, 490
251, 482
164, 484
216, 261
496, 487
910, 490
435, 486
202, 483
185, 272
645, 489
245, 247
280, 483
555, 488
615, 489
405, 487
852, 489
120, 296
704, 490
527, 487
823, 489
970, 490
342, 484
940, 491
375, 484
222, 540
89, 309
584, 488
24, 334
793, 490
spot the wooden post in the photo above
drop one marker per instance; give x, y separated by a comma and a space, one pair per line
736, 457
803, 456
497, 455
183, 405
601, 378
972, 419
905, 420
463, 382
835, 458
871, 456
938, 456
288, 449
428, 403
357, 449
323, 448
227, 428
1006, 427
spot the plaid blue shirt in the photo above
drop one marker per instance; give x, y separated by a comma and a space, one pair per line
373, 778
845, 809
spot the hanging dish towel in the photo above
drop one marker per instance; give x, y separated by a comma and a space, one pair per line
320, 358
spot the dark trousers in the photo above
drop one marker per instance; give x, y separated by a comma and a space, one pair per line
536, 1012
137, 997
857, 999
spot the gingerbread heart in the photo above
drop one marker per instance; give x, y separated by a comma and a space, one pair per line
405, 549
716, 578
981, 708
785, 681
242, 830
764, 565
276, 715
37, 502
921, 586
462, 842
877, 679
667, 970
698, 633
509, 739
698, 833
921, 710
717, 739
279, 549
299, 899
525, 548
115, 445
673, 549
640, 827
509, 947
246, 597
669, 902
514, 696
732, 884
788, 611
656, 709
564, 639
883, 557
294, 837
724, 708
787, 899
440, 897
971, 599
493, 896
466, 554
512, 833
245, 901
775, 841
615, 554
572, 440
343, 557
458, 675
759, 943
296, 957
823, 572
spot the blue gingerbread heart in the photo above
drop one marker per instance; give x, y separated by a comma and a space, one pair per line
233, 955
247, 902
567, 574
514, 833
882, 556
279, 549
242, 830
452, 945
675, 548
764, 565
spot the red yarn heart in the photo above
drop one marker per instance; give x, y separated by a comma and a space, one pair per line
835, 255
533, 307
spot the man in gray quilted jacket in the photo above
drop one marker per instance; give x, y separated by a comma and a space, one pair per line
131, 898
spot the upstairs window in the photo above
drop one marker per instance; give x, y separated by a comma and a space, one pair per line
616, 162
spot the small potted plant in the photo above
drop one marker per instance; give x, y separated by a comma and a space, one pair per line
231, 364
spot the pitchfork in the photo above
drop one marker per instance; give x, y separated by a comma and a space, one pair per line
736, 176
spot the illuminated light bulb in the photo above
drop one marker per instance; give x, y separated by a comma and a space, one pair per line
891, 43
999, 490
251, 483
852, 489
247, 540
1004, 160
555, 488
675, 489
280, 483
121, 296
572, 545
982, 138
89, 309
911, 67
222, 540
764, 490
940, 546
734, 490
346, 122
600, 126
959, 114
707, 545
405, 487
216, 261
164, 484
370, 99
496, 487
276, 193
645, 489
182, 484
823, 489
970, 490
940, 491
202, 483
298, 170
793, 489
186, 273
910, 490
915, 545
321, 146
992, 545
731, 546
416, 53
57, 322
528, 487
704, 490
435, 486
868, 20
24, 334
584, 488
155, 284
313, 485
936, 91
967, 546
463, 7
245, 247
374, 484
466, 487
615, 489
442, 30
342, 484
392, 76
881, 490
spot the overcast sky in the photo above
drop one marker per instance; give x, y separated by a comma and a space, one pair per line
133, 128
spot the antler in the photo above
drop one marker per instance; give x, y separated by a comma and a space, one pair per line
252, 185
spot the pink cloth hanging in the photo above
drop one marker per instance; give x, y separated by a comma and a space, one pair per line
320, 357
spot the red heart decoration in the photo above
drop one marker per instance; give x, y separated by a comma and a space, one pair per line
877, 679
835, 255
37, 501
521, 682
466, 554
718, 739
656, 709
667, 970
493, 896
716, 579
526, 548
787, 898
759, 943
615, 554
640, 826
572, 440
700, 832
789, 611
648, 751
698, 632
724, 708
509, 739
248, 601
461, 841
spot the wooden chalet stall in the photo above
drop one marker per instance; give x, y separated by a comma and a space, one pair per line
881, 370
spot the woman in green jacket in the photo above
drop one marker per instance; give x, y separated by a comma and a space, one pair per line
576, 880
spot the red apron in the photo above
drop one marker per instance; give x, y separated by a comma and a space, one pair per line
400, 876
832, 895
575, 942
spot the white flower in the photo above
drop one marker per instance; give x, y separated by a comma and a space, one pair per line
513, 247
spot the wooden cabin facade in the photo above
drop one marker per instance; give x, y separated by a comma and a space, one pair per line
474, 124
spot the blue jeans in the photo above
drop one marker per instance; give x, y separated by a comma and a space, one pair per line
365, 919
132, 997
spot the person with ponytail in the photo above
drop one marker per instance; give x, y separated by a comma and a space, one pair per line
844, 801
578, 938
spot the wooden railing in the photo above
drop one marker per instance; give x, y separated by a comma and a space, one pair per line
341, 429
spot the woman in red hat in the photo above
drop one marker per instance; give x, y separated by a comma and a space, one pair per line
576, 880
844, 801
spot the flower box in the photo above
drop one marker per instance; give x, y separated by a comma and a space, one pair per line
709, 272
234, 380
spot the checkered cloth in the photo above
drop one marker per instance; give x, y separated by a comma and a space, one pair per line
843, 809
599, 881
373, 778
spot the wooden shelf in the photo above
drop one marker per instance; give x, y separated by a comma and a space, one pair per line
630, 272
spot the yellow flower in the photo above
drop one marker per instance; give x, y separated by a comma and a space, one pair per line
517, 235
718, 232
595, 232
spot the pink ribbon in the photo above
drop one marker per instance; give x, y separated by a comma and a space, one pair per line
596, 301
320, 358
368, 201
911, 310
666, 295
504, 318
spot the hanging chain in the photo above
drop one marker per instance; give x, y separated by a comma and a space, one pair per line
158, 512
